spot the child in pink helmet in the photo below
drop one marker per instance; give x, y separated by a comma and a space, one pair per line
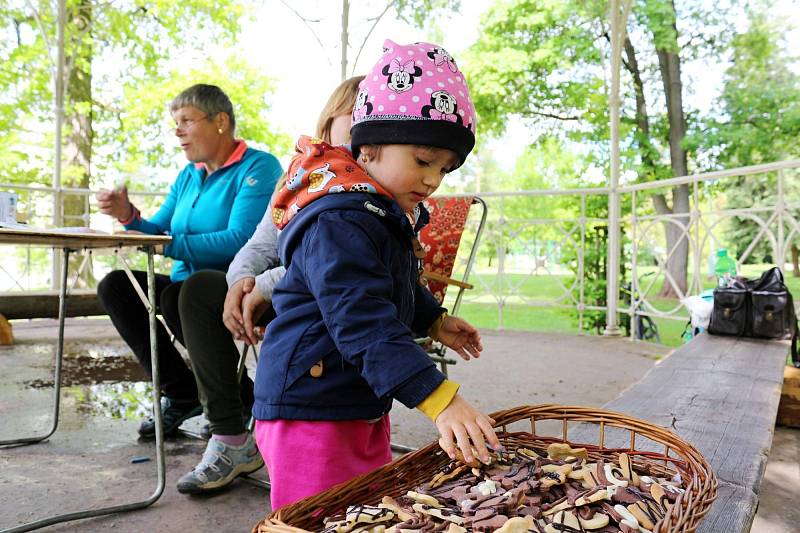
342, 346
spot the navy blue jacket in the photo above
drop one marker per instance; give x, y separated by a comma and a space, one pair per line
351, 299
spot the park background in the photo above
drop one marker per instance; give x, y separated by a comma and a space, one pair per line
706, 86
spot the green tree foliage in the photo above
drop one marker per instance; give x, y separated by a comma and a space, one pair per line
759, 118
419, 12
547, 61
123, 60
144, 124
540, 60
758, 122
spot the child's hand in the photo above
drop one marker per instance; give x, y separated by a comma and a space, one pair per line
460, 336
461, 425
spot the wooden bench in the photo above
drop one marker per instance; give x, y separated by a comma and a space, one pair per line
44, 304
721, 394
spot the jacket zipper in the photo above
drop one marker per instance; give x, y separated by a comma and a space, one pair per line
197, 198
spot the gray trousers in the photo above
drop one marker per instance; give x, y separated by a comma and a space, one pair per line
213, 353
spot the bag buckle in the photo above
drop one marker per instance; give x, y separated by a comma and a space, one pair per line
768, 316
727, 312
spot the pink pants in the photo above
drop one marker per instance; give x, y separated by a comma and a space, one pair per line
306, 457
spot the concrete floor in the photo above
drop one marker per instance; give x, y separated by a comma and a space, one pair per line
87, 462
779, 505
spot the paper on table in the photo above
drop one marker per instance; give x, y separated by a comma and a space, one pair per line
15, 225
66, 229
79, 229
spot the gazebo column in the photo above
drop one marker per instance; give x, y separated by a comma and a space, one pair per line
619, 16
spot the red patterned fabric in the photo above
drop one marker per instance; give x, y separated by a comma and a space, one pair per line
441, 237
318, 169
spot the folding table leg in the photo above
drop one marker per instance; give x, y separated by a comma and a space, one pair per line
162, 478
62, 306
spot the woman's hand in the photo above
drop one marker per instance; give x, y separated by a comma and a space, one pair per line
232, 309
114, 203
458, 335
253, 307
461, 425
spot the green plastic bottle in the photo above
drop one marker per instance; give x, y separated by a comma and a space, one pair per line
724, 268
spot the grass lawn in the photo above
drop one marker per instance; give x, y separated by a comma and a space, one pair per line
523, 291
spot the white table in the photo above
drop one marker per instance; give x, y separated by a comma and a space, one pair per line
70, 242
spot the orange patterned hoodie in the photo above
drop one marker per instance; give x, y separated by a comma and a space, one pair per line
319, 169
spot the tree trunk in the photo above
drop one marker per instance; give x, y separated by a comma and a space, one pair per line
669, 63
78, 113
642, 117
795, 261
677, 264
78, 119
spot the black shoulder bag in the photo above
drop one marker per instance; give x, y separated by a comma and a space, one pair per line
756, 308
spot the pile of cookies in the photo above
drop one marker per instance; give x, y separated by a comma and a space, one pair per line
523, 488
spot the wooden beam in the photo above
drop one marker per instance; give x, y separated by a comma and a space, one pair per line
44, 304
433, 276
721, 395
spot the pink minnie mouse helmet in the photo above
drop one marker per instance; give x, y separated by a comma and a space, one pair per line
415, 94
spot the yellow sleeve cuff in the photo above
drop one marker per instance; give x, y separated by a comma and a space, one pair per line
433, 331
439, 399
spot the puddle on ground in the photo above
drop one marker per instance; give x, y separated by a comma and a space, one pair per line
102, 379
88, 370
128, 401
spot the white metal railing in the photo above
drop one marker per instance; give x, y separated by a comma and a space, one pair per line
776, 217
521, 246
644, 249
544, 238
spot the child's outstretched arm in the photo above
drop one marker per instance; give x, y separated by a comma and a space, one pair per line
431, 319
343, 261
461, 425
458, 335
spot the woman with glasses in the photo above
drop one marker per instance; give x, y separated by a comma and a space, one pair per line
212, 209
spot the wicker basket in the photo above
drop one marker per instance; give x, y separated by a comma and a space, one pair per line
411, 470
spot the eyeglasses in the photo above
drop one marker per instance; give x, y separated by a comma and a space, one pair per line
186, 123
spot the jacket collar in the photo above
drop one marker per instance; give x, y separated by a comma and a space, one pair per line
381, 207
235, 157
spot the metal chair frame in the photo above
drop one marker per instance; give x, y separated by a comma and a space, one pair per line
437, 350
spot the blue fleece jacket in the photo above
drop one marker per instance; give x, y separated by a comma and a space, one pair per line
350, 299
210, 218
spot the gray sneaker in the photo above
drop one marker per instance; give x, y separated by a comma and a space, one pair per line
220, 465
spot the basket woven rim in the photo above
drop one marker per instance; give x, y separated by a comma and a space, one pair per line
701, 483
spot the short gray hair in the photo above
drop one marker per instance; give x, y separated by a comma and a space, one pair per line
210, 99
